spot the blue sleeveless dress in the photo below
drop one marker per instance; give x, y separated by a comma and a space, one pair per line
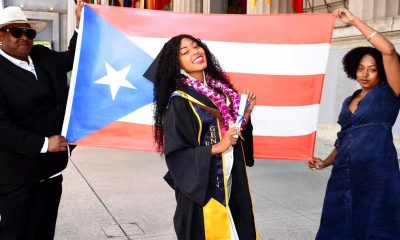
362, 200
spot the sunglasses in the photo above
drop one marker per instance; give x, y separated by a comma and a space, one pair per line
17, 32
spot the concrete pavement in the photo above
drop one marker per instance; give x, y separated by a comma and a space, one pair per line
119, 195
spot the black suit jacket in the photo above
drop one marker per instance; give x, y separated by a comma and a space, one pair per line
26, 118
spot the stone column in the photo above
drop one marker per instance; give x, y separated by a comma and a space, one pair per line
70, 19
193, 6
206, 6
260, 8
216, 6
364, 9
374, 9
392, 8
281, 6
1, 4
380, 9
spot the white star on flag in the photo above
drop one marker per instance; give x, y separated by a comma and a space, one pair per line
115, 79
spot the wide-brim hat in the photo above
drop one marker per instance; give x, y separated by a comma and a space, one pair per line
14, 14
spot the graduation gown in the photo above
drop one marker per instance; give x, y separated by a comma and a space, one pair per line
192, 124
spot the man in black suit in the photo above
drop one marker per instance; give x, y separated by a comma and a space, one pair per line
33, 94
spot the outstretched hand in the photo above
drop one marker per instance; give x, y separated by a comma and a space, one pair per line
316, 163
344, 15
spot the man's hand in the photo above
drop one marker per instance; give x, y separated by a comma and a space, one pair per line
57, 143
78, 11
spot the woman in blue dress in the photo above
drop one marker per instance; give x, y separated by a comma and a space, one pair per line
362, 199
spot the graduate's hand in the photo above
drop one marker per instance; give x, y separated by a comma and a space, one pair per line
57, 143
316, 163
251, 98
228, 139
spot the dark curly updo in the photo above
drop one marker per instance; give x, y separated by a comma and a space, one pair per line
352, 59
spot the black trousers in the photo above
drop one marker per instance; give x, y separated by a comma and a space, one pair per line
29, 211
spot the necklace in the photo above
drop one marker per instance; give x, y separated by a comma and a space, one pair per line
229, 113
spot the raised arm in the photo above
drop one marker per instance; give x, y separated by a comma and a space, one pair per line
390, 57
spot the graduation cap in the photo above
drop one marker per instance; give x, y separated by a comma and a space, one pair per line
151, 72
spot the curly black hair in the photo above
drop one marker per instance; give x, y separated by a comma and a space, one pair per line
352, 59
168, 79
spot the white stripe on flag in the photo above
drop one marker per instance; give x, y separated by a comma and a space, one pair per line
267, 121
284, 121
270, 59
143, 115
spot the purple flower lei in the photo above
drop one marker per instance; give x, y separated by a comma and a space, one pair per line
229, 114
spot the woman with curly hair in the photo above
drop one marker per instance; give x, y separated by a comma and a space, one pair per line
196, 127
362, 199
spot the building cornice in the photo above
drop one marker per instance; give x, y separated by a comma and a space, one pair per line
349, 37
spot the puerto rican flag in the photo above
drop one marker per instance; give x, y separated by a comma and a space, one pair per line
281, 57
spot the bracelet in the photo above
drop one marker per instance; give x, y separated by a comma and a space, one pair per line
371, 35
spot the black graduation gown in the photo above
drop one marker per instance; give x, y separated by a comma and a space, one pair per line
191, 126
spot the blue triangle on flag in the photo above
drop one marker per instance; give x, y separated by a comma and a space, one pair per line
93, 106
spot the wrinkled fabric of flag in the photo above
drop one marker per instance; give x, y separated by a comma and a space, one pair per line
281, 57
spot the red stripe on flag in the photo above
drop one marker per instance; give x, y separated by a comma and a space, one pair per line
279, 29
275, 90
285, 148
122, 135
